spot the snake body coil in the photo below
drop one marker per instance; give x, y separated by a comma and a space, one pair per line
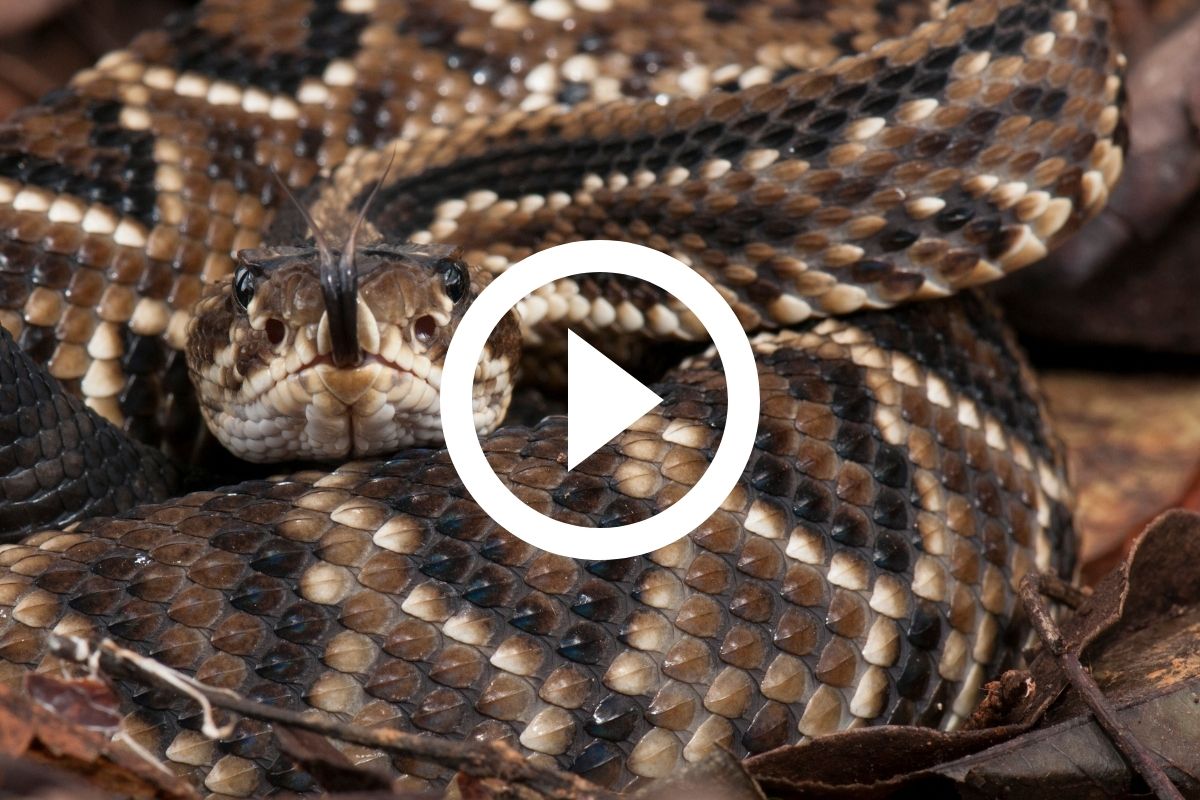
903, 479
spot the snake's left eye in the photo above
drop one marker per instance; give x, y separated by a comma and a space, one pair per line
454, 280
243, 287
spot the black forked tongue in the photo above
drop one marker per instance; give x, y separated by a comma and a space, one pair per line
339, 278
339, 283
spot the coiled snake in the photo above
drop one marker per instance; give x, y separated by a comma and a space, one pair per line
903, 478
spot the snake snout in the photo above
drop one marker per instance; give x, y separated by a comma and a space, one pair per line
349, 385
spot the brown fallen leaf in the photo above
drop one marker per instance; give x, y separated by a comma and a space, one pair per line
32, 780
1133, 444
32, 732
16, 732
1151, 644
88, 702
866, 763
1076, 759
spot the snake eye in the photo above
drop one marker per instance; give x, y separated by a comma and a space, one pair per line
454, 279
243, 287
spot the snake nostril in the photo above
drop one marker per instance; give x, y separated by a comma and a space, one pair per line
424, 329
275, 331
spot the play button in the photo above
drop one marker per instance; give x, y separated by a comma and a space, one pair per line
602, 400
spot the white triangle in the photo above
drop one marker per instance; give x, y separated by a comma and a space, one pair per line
602, 400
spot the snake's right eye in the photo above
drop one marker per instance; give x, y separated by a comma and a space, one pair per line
243, 287
455, 280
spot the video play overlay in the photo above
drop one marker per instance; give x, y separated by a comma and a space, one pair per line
603, 400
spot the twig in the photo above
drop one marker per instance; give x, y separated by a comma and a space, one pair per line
486, 760
163, 675
1033, 590
1054, 587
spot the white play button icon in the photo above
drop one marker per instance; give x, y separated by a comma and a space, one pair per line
602, 400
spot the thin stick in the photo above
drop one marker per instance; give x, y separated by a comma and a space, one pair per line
487, 760
1054, 587
1140, 758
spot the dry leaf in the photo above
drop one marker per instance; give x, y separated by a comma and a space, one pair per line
87, 702
1133, 443
26, 778
35, 733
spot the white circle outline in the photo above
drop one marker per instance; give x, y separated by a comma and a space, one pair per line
742, 392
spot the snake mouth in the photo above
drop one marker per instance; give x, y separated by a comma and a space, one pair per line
314, 409
320, 373
400, 383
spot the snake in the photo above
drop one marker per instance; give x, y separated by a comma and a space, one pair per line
841, 173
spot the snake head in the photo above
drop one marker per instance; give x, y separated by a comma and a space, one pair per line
280, 378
